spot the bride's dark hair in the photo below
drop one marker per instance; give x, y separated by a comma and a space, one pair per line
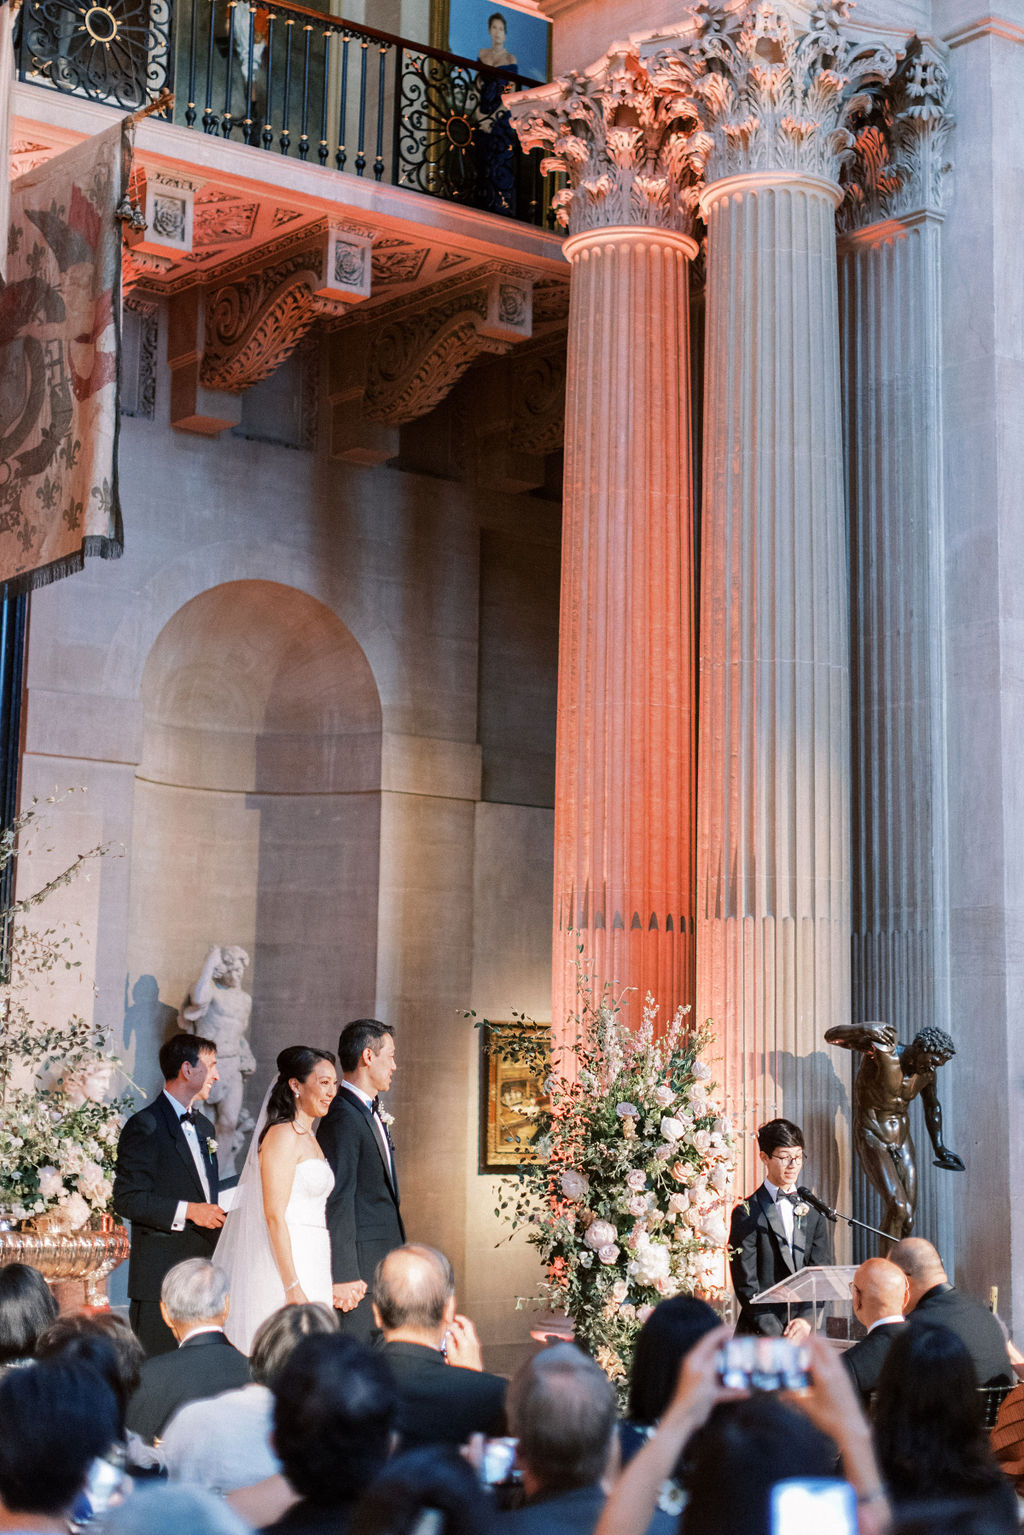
294, 1064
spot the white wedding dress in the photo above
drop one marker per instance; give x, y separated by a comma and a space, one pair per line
247, 1258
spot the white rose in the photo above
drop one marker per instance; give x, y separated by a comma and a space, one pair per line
663, 1095
713, 1227
50, 1182
719, 1178
574, 1185
701, 1142
76, 1210
671, 1129
677, 1203
600, 1234
702, 1071
724, 1125
652, 1262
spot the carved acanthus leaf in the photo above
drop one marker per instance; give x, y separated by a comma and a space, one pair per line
538, 417
779, 97
414, 362
633, 149
252, 325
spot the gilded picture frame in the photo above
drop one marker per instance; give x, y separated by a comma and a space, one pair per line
511, 1096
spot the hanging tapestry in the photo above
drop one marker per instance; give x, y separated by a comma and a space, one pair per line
60, 347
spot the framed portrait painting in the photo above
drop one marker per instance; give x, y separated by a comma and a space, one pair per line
495, 34
512, 1097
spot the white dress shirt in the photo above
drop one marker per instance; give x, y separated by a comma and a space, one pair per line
785, 1207
192, 1140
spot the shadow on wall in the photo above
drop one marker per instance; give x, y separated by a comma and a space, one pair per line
147, 1023
812, 1082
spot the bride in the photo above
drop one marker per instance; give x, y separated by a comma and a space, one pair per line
275, 1248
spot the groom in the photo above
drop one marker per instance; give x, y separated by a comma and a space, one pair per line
166, 1183
363, 1215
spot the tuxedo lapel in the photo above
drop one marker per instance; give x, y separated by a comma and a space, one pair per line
181, 1145
799, 1240
774, 1219
359, 1108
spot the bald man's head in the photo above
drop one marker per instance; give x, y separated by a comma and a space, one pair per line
879, 1289
922, 1265
414, 1291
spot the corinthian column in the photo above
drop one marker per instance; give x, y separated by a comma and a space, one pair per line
624, 787
773, 824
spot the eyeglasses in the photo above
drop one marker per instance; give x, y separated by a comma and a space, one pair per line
791, 1159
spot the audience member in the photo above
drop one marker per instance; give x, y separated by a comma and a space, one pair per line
929, 1427
436, 1480
170, 1511
57, 1419
104, 1341
334, 1409
879, 1292
441, 1400
194, 1303
561, 1407
224, 1442
26, 1307
662, 1344
738, 1447
933, 1299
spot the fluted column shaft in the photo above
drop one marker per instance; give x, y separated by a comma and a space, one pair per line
624, 788
773, 909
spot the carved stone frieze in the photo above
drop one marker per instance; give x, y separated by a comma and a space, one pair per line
633, 150
900, 161
775, 95
538, 412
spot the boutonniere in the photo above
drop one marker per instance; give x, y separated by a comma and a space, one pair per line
386, 1119
211, 1146
800, 1210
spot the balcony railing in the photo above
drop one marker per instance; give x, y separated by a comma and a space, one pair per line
288, 80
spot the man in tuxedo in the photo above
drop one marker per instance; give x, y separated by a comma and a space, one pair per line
363, 1214
194, 1302
443, 1397
774, 1234
166, 1183
880, 1293
932, 1299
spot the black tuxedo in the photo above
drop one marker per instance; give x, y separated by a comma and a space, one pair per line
974, 1325
763, 1257
363, 1214
866, 1358
155, 1172
203, 1366
439, 1403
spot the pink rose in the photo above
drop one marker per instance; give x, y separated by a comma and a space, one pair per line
637, 1205
642, 1313
680, 1172
609, 1253
702, 1142
663, 1095
635, 1179
600, 1234
677, 1203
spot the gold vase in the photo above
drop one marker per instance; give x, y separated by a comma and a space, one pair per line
88, 1254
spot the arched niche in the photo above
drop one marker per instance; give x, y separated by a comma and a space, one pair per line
257, 811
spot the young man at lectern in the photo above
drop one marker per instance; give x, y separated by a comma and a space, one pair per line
774, 1234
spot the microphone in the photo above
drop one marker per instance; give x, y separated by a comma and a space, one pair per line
818, 1204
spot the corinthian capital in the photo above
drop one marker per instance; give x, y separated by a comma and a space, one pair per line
899, 161
778, 96
633, 150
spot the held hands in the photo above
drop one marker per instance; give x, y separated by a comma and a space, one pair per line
210, 1216
464, 1345
347, 1296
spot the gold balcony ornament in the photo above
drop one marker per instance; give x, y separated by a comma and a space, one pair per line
48, 1243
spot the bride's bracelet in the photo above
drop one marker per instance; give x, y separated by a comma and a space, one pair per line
293, 1286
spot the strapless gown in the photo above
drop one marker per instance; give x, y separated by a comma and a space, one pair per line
245, 1254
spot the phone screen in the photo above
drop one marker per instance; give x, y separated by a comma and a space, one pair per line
814, 1506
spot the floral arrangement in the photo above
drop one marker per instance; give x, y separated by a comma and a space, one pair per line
58, 1138
629, 1204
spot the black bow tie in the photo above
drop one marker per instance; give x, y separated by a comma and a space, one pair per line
375, 1105
188, 1118
792, 1198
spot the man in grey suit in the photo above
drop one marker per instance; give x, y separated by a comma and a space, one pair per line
363, 1214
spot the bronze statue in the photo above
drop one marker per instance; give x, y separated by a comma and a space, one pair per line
889, 1077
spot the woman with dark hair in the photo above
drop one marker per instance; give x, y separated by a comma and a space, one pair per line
105, 1343
274, 1247
26, 1308
437, 1479
662, 1344
929, 1427
57, 1420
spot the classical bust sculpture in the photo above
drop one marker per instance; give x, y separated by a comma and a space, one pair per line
890, 1076
219, 1009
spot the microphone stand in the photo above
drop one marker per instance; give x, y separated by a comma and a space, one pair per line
836, 1215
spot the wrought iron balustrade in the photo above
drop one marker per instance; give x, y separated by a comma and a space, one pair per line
294, 81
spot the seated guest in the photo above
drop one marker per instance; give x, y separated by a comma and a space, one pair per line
879, 1292
26, 1307
561, 1407
334, 1409
56, 1420
738, 1447
662, 1344
438, 1480
223, 1442
162, 1510
933, 1299
929, 1428
107, 1344
194, 1303
440, 1400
